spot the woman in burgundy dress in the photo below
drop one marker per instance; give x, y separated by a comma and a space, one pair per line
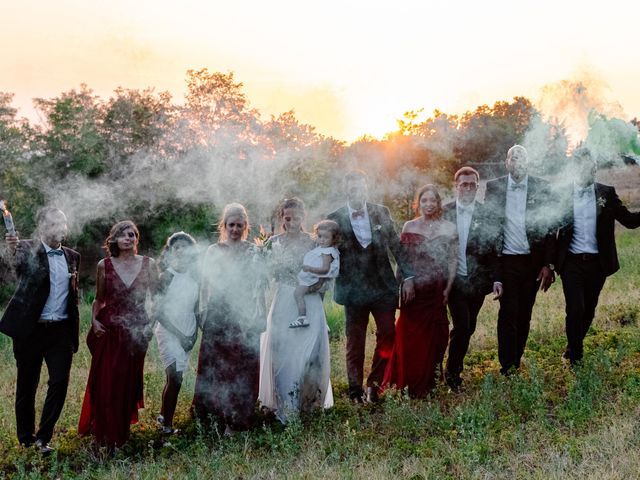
226, 387
118, 339
422, 330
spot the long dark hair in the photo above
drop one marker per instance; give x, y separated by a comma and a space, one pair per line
428, 188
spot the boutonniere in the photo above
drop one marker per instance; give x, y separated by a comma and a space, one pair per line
73, 277
601, 202
531, 201
377, 228
72, 271
475, 224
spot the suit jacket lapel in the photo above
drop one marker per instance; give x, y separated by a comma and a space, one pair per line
374, 220
72, 268
530, 200
450, 213
599, 203
502, 207
351, 235
41, 254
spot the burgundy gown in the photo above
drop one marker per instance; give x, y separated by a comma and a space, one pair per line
114, 389
422, 330
228, 363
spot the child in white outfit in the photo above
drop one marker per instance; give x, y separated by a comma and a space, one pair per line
319, 264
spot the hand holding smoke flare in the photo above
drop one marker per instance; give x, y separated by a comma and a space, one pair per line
8, 219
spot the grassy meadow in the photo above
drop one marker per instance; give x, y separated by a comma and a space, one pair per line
546, 422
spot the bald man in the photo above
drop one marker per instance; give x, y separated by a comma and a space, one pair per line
518, 207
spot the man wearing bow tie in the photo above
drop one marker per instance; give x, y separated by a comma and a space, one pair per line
366, 283
587, 247
473, 277
43, 320
523, 235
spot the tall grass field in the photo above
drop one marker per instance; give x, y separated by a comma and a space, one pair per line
547, 422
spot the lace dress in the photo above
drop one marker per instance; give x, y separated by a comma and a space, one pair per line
294, 362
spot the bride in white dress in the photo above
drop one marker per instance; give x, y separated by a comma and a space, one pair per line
294, 362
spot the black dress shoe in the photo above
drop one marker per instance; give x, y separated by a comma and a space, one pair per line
372, 395
43, 448
454, 382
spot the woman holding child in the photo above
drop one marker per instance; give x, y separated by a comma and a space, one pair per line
294, 350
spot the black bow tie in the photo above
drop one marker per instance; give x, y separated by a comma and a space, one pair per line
517, 186
53, 252
357, 213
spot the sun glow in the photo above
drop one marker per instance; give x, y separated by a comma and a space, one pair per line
347, 68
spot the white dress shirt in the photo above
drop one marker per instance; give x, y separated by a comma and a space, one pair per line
55, 307
361, 226
515, 233
584, 220
463, 219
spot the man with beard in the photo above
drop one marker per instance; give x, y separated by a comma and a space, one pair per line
366, 283
587, 246
473, 275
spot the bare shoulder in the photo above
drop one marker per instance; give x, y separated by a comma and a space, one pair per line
411, 226
449, 228
213, 248
100, 267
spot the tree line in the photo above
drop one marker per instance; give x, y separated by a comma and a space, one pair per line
144, 132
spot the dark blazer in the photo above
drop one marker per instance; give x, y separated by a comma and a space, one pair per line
479, 247
366, 276
609, 208
540, 223
25, 307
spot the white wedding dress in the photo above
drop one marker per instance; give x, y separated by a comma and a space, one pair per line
294, 362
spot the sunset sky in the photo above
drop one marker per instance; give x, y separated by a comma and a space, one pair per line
346, 67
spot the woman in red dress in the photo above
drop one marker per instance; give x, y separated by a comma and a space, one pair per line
422, 330
226, 387
118, 339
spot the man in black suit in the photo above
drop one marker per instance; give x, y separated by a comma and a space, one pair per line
42, 318
523, 231
587, 247
366, 283
473, 277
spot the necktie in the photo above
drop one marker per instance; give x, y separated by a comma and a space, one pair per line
51, 253
358, 213
517, 186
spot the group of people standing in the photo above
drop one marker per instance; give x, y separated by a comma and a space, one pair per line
450, 255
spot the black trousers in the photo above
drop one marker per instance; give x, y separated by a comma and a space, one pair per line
51, 343
464, 305
357, 320
582, 281
519, 273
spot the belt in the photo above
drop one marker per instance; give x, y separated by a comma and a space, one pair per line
585, 257
51, 321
